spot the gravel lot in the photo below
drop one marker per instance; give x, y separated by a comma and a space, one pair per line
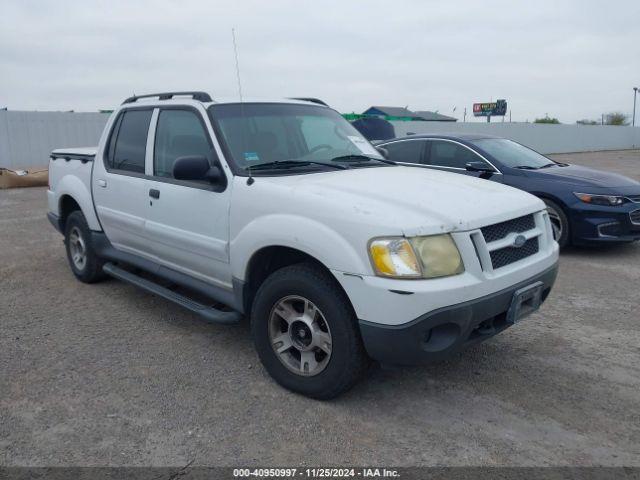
110, 375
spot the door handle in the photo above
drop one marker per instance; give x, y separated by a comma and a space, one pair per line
153, 193
102, 183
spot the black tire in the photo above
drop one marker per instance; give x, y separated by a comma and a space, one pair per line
348, 359
90, 270
556, 213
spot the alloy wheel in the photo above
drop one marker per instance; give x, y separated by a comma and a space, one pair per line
556, 223
300, 336
77, 248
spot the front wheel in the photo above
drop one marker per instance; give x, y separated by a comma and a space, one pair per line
306, 333
559, 223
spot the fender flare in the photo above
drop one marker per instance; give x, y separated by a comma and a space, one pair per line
73, 187
301, 233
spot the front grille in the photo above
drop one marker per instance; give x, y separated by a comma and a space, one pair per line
635, 216
508, 255
634, 198
500, 230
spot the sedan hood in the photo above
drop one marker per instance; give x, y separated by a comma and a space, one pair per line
584, 176
408, 200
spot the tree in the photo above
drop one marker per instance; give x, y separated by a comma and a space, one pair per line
547, 119
616, 118
587, 122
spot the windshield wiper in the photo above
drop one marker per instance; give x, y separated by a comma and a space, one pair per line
529, 167
284, 164
355, 158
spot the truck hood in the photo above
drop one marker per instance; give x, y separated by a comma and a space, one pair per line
409, 200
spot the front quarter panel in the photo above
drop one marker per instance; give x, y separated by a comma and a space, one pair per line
293, 231
262, 217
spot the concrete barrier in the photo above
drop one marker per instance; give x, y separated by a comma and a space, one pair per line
541, 137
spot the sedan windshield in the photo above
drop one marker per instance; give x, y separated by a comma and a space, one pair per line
512, 154
289, 136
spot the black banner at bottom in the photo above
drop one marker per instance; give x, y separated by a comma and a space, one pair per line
317, 473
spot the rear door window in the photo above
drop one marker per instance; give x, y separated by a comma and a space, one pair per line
407, 151
130, 144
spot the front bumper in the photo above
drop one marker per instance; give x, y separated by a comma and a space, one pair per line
440, 333
599, 224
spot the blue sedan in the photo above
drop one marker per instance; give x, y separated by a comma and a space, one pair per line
586, 206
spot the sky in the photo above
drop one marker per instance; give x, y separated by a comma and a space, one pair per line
570, 59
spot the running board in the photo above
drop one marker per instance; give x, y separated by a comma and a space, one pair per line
211, 314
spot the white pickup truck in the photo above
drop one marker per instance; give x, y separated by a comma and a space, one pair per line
281, 212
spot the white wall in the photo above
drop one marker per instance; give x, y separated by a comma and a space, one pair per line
541, 137
27, 138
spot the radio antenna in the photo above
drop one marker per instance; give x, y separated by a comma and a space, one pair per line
250, 180
235, 51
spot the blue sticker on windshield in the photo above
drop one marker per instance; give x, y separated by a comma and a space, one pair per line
251, 156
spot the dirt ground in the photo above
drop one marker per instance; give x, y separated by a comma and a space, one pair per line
107, 374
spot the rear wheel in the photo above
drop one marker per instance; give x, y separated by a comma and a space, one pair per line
559, 222
84, 263
306, 333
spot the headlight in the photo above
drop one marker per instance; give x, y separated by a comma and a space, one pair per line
394, 257
607, 200
439, 256
417, 257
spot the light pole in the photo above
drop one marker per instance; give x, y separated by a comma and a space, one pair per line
633, 121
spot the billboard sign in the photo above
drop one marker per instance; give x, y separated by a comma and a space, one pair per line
490, 109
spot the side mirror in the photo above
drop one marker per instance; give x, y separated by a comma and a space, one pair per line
384, 152
479, 167
195, 167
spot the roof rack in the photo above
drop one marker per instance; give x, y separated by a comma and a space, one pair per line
201, 96
310, 99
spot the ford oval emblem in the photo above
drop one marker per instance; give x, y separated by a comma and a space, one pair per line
519, 241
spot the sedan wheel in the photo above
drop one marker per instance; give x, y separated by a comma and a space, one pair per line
556, 223
559, 223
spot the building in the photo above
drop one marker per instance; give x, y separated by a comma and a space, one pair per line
392, 113
403, 113
434, 116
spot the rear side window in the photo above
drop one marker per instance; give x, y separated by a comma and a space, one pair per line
179, 134
128, 150
409, 151
449, 154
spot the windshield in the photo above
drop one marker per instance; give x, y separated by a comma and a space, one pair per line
259, 133
512, 154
